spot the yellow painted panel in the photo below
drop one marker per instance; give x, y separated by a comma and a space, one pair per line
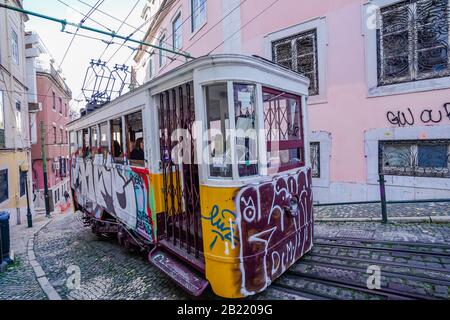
221, 240
12, 161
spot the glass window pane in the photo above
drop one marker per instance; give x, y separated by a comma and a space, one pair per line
246, 136
116, 139
284, 133
433, 156
104, 143
198, 13
315, 159
177, 32
397, 155
94, 139
218, 127
86, 144
135, 139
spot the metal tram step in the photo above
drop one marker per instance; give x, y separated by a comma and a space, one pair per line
176, 269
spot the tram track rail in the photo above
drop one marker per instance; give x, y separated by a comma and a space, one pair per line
402, 243
387, 293
390, 250
391, 274
393, 246
309, 258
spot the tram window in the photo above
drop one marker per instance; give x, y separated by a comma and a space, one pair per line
73, 142
104, 143
218, 127
135, 139
246, 141
80, 142
86, 144
284, 132
94, 140
116, 140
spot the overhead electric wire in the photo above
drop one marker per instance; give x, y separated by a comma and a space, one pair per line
98, 3
88, 18
85, 17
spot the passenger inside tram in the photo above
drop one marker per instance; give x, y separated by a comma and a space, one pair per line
138, 151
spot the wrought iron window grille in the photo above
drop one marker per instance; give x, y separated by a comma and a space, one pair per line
299, 53
424, 158
413, 41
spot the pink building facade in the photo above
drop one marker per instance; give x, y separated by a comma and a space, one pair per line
380, 81
53, 97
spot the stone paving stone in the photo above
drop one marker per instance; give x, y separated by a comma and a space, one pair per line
438, 209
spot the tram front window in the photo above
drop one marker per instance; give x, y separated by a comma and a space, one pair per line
218, 128
246, 141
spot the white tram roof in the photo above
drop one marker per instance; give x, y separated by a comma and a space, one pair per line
204, 70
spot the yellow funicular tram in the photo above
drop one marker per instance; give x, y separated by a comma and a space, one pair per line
207, 168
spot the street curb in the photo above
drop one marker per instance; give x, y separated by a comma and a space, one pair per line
45, 285
427, 219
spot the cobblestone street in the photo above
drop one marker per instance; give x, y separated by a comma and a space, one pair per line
403, 210
110, 272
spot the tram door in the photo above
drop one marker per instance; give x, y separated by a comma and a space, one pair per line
180, 172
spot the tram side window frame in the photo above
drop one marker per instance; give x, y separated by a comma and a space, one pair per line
135, 156
288, 144
104, 145
219, 167
94, 139
86, 152
117, 151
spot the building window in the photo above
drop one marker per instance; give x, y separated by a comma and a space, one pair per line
198, 14
2, 112
54, 101
60, 106
4, 192
315, 159
18, 116
162, 53
177, 34
413, 41
150, 68
423, 158
23, 181
15, 47
299, 53
284, 131
62, 136
55, 136
2, 121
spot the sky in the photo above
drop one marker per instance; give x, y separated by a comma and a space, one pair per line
84, 49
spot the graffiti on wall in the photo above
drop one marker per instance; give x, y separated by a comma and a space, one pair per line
121, 190
425, 116
275, 227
